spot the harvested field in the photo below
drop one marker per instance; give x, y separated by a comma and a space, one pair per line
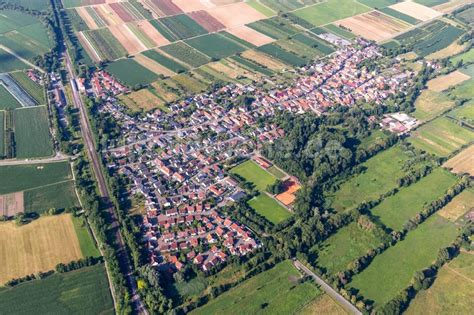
197, 5
207, 21
416, 10
458, 206
441, 83
288, 196
430, 104
264, 60
321, 306
127, 39
153, 66
374, 25
108, 15
250, 35
463, 162
37, 246
12, 204
236, 14
151, 32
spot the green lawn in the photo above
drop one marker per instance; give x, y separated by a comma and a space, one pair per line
269, 208
84, 291
59, 196
349, 243
254, 174
382, 172
274, 291
330, 11
392, 270
441, 137
86, 242
404, 205
23, 177
32, 136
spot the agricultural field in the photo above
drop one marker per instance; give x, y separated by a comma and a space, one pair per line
431, 3
377, 4
7, 100
396, 210
429, 38
130, 72
458, 206
374, 25
83, 291
451, 293
216, 45
466, 16
125, 36
32, 4
262, 8
349, 243
250, 35
269, 208
399, 15
463, 162
24, 177
143, 99
186, 54
441, 137
37, 246
33, 89
226, 14
8, 62
277, 288
285, 56
443, 82
430, 104
322, 305
452, 50
276, 27
330, 11
465, 89
428, 238
2, 134
416, 10
60, 196
32, 136
466, 57
103, 44
336, 30
86, 242
381, 174
182, 26
165, 61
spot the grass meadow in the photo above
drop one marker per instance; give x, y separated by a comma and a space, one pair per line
274, 291
84, 291
86, 242
330, 11
392, 270
430, 104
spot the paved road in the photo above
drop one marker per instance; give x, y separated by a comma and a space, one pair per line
87, 135
328, 289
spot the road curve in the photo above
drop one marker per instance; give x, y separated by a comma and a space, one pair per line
328, 289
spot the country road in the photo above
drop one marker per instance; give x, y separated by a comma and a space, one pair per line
328, 289
87, 135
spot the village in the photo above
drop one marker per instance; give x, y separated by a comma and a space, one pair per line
177, 161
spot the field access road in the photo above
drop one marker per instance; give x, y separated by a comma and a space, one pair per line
87, 135
328, 289
11, 52
59, 157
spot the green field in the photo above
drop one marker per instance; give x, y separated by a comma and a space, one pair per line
105, 44
84, 291
88, 246
377, 3
274, 291
392, 270
349, 243
23, 177
339, 31
165, 61
431, 3
404, 205
466, 57
251, 65
441, 136
32, 132
186, 54
465, 112
130, 72
452, 291
399, 15
286, 56
269, 208
276, 27
59, 196
32, 4
253, 173
276, 172
380, 176
215, 45
182, 26
465, 89
330, 11
430, 104
7, 100
8, 62
261, 8
35, 90
285, 5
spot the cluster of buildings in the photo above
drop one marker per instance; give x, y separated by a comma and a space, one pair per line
399, 123
177, 161
101, 84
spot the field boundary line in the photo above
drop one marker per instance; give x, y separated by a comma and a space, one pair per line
21, 58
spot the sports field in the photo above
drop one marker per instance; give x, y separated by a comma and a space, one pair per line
269, 208
23, 177
451, 293
441, 136
84, 291
395, 210
37, 246
253, 173
428, 238
330, 11
276, 290
381, 174
349, 243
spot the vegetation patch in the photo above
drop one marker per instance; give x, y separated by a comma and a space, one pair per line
165, 61
182, 26
430, 104
131, 73
58, 196
33, 89
186, 54
8, 62
253, 173
215, 45
269, 208
457, 207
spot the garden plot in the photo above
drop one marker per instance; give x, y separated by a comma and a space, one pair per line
416, 10
374, 25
